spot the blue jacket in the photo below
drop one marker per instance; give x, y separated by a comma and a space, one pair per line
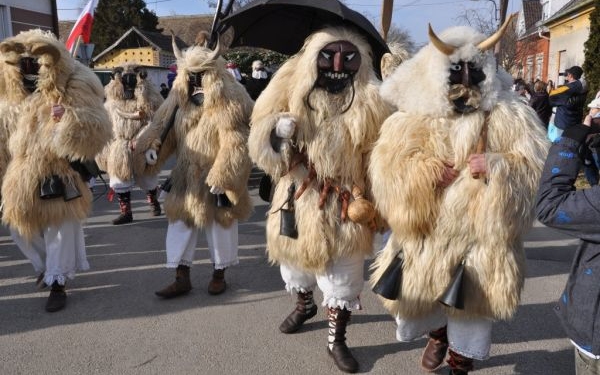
569, 101
577, 213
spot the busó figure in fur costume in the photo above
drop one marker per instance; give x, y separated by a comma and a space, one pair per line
425, 165
131, 101
209, 112
311, 131
62, 123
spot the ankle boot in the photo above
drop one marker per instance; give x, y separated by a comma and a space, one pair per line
153, 201
435, 351
217, 284
182, 284
57, 298
305, 309
459, 364
126, 215
337, 349
40, 283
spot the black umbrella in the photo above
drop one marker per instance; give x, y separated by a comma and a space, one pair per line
283, 25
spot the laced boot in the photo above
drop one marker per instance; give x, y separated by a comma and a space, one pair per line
182, 284
153, 201
217, 284
126, 215
57, 298
435, 351
336, 347
459, 365
305, 309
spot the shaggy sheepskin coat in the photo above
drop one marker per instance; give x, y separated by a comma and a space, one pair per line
12, 96
209, 142
124, 113
480, 221
42, 147
336, 142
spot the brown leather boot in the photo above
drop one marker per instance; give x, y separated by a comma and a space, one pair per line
182, 284
57, 298
435, 351
40, 283
153, 201
126, 215
217, 284
459, 364
305, 309
337, 349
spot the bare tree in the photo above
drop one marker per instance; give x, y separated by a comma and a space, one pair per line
507, 56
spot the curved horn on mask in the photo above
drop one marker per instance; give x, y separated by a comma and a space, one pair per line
216, 52
176, 50
494, 38
444, 48
8, 46
39, 49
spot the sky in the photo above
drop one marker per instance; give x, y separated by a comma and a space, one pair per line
410, 15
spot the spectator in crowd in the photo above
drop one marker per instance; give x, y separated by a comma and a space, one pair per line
235, 72
259, 79
577, 213
541, 103
569, 99
171, 75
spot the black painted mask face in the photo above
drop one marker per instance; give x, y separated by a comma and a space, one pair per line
129, 81
195, 89
465, 94
30, 70
337, 64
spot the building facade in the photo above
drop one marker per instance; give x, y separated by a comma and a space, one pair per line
21, 15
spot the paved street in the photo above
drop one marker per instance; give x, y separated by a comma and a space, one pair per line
113, 323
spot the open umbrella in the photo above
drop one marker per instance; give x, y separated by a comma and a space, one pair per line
283, 25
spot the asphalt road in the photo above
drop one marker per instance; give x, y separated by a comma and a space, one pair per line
113, 323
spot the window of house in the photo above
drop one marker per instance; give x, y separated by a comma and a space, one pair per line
539, 64
4, 22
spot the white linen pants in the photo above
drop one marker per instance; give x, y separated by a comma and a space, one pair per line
222, 244
63, 248
471, 338
144, 182
341, 283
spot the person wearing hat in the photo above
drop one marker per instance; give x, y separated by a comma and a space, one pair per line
569, 99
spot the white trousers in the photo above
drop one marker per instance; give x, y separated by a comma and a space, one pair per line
341, 283
63, 248
222, 244
471, 337
144, 182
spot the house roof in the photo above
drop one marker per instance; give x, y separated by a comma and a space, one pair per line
569, 8
134, 38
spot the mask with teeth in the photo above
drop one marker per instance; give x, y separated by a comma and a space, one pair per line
195, 89
30, 71
129, 81
337, 63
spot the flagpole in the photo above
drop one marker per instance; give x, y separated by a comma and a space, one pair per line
74, 52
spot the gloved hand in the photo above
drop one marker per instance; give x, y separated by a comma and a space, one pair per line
151, 156
216, 190
285, 127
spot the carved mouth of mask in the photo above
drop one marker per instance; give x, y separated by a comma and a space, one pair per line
129, 81
29, 68
195, 88
337, 63
465, 99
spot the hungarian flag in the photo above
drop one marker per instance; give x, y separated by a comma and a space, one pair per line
83, 25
